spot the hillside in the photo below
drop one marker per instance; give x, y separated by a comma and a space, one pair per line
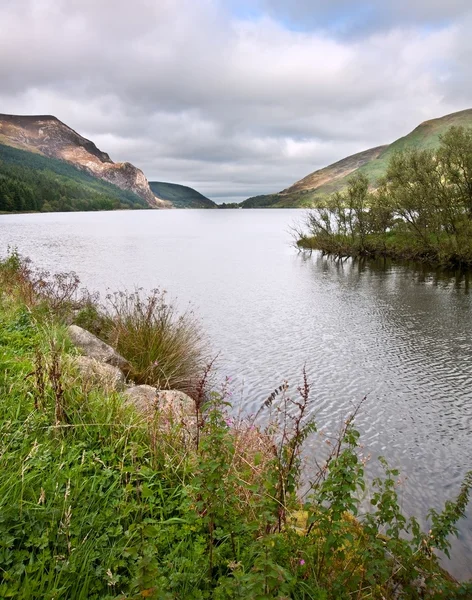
32, 182
46, 135
181, 196
373, 163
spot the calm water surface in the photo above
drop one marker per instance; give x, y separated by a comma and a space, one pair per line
400, 337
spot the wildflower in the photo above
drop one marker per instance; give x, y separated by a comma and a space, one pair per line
302, 562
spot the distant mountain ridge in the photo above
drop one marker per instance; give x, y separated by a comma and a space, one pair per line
181, 196
373, 163
50, 137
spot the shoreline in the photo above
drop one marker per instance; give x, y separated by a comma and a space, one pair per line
36, 335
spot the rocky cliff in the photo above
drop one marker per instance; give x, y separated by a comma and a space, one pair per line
47, 135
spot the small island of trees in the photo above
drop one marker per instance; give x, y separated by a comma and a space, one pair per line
420, 210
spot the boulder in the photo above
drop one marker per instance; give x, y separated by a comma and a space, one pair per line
176, 402
93, 347
143, 398
173, 403
107, 377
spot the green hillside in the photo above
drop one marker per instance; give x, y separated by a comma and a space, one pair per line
32, 182
317, 186
181, 196
425, 136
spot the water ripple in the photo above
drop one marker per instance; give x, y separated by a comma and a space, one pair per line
400, 337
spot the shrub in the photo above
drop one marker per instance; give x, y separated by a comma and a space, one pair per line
90, 317
165, 349
420, 209
57, 292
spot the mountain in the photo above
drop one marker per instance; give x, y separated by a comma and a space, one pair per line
181, 196
47, 136
32, 182
373, 163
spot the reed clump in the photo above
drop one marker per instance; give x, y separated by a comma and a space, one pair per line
166, 349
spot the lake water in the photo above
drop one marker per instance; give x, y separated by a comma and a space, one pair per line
398, 336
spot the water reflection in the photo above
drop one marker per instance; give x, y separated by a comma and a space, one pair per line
419, 272
409, 329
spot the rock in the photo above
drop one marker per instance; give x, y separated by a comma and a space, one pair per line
95, 348
164, 409
147, 399
176, 402
107, 377
143, 398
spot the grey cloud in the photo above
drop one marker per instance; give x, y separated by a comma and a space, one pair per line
236, 108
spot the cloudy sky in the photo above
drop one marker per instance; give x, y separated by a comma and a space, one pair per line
236, 97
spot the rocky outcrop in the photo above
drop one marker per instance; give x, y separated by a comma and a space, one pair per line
47, 135
95, 348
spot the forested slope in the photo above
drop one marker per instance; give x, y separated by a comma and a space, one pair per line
31, 182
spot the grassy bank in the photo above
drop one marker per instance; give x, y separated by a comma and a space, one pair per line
98, 501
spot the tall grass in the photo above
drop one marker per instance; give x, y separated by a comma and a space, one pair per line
165, 348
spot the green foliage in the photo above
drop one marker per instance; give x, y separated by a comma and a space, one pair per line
229, 205
97, 502
90, 317
421, 210
266, 201
443, 524
31, 182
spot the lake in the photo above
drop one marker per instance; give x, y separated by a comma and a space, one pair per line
397, 335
